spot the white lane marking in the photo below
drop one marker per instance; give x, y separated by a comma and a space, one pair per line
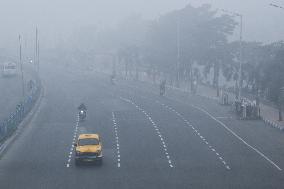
239, 138
116, 139
73, 141
224, 117
158, 133
195, 130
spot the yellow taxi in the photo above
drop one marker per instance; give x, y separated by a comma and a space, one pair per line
88, 149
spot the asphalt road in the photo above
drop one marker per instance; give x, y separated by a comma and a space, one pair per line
177, 141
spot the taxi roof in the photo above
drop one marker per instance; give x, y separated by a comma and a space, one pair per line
82, 136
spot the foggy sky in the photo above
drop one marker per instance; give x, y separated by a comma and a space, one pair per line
58, 18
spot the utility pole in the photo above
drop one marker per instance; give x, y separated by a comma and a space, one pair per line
178, 51
21, 65
241, 56
36, 50
38, 56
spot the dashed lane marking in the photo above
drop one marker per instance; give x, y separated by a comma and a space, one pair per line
72, 146
239, 138
116, 140
233, 133
163, 143
197, 133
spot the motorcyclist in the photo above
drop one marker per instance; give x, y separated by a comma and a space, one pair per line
82, 107
163, 87
82, 111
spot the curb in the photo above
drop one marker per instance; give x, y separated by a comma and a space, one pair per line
272, 124
4, 146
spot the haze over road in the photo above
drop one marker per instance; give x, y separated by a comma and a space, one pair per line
160, 142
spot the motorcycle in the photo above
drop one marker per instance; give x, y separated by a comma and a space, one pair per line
82, 115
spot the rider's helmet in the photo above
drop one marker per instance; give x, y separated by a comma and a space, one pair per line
82, 107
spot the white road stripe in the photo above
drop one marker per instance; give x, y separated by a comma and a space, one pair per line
239, 138
73, 140
156, 129
116, 139
195, 130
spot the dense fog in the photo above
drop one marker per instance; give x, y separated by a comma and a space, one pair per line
58, 20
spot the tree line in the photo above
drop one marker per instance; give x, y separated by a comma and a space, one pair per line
187, 44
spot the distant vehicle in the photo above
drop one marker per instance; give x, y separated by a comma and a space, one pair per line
82, 112
88, 149
9, 69
30, 60
82, 115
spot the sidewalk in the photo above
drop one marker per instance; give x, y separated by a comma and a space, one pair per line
268, 114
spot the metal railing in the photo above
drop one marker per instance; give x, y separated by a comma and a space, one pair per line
9, 125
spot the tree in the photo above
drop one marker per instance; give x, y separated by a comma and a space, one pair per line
202, 36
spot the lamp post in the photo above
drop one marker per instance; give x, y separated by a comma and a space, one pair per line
281, 93
21, 66
241, 49
178, 50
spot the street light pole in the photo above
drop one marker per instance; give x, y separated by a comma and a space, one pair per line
281, 94
241, 49
21, 66
178, 50
241, 55
36, 50
38, 55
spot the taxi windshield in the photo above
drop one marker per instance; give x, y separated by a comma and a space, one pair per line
88, 141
